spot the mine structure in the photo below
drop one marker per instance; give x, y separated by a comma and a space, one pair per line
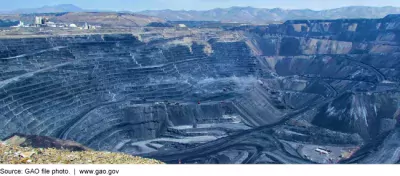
323, 151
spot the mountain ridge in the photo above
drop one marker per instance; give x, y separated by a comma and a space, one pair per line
236, 13
48, 9
263, 15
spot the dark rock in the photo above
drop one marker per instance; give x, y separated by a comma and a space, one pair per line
35, 141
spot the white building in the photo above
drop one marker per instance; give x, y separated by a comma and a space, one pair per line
322, 151
21, 24
51, 24
86, 26
182, 25
38, 20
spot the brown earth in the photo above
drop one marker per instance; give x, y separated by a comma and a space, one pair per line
28, 155
32, 149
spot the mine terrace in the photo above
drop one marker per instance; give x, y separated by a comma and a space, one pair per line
305, 91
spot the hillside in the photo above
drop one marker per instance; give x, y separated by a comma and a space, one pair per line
233, 14
68, 13
107, 19
29, 155
32, 149
261, 15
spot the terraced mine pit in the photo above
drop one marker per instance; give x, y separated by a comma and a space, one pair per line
300, 92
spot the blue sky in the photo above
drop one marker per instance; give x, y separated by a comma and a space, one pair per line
138, 5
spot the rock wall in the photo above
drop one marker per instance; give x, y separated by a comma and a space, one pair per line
269, 96
356, 58
87, 88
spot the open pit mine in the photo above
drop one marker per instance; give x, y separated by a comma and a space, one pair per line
301, 92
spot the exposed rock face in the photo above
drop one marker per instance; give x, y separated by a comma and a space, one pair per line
241, 97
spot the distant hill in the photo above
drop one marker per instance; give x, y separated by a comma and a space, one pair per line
261, 15
233, 14
105, 19
48, 9
69, 13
